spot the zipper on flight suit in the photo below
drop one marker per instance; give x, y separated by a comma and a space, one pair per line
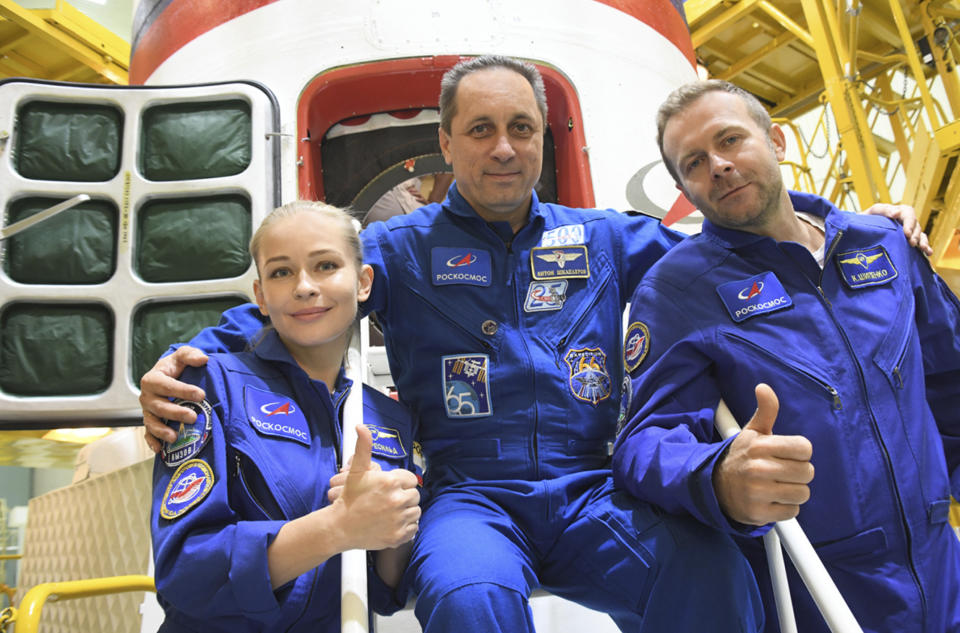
238, 472
823, 384
584, 311
518, 319
883, 447
826, 258
485, 344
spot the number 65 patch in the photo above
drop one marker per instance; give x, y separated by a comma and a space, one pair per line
466, 385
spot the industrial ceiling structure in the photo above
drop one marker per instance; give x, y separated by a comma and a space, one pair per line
879, 78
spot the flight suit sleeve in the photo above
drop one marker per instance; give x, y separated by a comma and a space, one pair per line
667, 450
644, 240
237, 327
209, 561
938, 324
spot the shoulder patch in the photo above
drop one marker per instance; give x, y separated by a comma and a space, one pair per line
866, 267
460, 266
275, 415
386, 442
636, 344
191, 438
188, 486
754, 296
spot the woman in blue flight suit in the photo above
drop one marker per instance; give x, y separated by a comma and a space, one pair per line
249, 510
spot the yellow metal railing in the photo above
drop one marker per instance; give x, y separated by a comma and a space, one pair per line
27, 616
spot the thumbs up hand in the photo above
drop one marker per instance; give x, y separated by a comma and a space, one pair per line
763, 477
378, 509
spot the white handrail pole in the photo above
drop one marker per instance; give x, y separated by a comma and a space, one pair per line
354, 609
824, 591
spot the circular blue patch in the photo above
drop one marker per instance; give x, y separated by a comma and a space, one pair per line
636, 344
191, 438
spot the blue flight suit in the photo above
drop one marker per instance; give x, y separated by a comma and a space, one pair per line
507, 349
274, 442
865, 358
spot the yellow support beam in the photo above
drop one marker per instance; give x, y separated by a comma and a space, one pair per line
844, 97
106, 64
95, 35
701, 34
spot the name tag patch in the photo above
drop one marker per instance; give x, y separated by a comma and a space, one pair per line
589, 380
866, 267
188, 486
459, 266
191, 438
386, 441
565, 235
466, 388
556, 262
636, 344
545, 295
754, 296
275, 415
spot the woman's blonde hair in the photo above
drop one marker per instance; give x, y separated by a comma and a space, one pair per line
336, 214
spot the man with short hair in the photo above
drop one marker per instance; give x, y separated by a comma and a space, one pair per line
502, 318
784, 295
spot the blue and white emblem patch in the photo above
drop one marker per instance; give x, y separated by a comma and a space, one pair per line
866, 267
191, 438
589, 380
545, 295
563, 235
756, 295
272, 414
636, 344
459, 266
386, 442
556, 262
188, 486
466, 385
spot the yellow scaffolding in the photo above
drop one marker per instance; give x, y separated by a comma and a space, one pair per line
59, 44
874, 69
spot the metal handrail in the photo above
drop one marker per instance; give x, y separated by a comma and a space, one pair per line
27, 616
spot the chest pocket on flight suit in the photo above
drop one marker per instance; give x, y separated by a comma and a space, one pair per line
902, 364
253, 500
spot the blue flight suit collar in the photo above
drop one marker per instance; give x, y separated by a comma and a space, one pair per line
271, 348
457, 205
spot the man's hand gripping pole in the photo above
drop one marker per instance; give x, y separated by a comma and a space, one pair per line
832, 606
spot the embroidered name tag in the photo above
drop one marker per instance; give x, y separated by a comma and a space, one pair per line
272, 414
191, 438
555, 262
188, 486
386, 441
866, 267
545, 295
466, 388
754, 296
563, 235
459, 266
